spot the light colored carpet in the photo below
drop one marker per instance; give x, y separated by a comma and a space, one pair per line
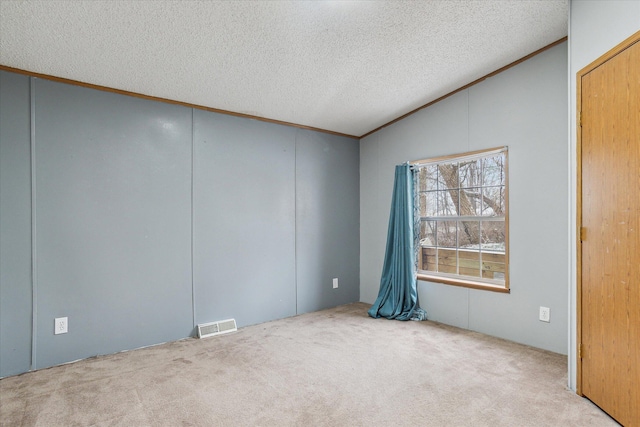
335, 367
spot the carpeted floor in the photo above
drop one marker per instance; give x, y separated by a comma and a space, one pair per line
336, 367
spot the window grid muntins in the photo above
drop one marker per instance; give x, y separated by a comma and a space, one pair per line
462, 208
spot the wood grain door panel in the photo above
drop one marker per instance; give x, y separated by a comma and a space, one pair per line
610, 260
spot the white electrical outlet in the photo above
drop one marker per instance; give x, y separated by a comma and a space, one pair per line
335, 283
545, 314
61, 325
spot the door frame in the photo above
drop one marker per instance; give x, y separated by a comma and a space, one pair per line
635, 38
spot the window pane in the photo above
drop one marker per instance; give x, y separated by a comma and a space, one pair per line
493, 265
422, 180
493, 250
493, 201
429, 203
446, 205
470, 202
493, 236
447, 261
427, 233
493, 170
469, 262
429, 259
469, 235
470, 174
447, 234
448, 176
429, 178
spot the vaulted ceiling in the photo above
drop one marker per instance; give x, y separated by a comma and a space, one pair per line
342, 66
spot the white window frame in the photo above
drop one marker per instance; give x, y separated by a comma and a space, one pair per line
492, 284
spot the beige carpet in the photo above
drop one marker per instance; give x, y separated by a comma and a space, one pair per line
336, 367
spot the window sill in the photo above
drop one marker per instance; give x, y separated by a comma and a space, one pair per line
464, 283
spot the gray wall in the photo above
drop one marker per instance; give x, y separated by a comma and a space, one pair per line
151, 217
327, 232
595, 28
524, 108
15, 225
244, 219
113, 231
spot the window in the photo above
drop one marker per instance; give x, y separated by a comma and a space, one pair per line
462, 207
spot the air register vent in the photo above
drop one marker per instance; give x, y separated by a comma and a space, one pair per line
216, 328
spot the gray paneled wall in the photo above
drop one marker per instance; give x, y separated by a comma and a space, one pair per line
151, 217
327, 234
524, 108
244, 219
15, 224
113, 229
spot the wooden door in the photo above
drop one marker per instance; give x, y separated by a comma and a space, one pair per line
609, 292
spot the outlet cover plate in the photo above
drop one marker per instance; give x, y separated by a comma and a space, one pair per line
335, 283
545, 314
61, 325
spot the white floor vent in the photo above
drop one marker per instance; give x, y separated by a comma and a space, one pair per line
216, 328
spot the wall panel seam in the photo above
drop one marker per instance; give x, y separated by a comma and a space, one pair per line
193, 289
295, 215
34, 271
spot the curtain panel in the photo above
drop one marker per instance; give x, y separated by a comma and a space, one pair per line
398, 294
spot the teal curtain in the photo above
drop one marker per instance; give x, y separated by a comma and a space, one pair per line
398, 295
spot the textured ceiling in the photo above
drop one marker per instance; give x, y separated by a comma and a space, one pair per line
343, 66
